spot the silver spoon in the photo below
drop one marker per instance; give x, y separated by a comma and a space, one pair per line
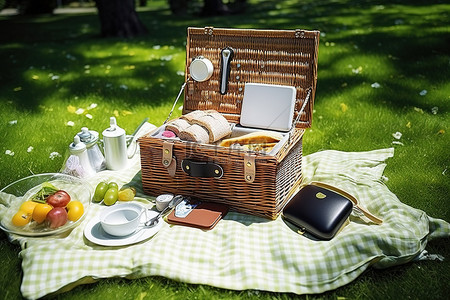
174, 202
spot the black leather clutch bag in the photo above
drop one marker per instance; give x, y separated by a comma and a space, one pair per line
318, 211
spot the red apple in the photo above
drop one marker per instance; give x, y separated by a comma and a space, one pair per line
58, 199
57, 217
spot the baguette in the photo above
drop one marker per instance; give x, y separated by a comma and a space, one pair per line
257, 137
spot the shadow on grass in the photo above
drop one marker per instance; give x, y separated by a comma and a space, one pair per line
62, 45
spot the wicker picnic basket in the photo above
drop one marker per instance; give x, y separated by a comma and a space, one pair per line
249, 182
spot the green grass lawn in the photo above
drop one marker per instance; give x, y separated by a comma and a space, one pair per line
384, 67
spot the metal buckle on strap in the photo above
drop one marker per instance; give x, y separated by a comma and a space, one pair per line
249, 168
168, 160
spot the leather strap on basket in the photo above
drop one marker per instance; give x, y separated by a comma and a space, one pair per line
201, 169
168, 160
359, 208
249, 168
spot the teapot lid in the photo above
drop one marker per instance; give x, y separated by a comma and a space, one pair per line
77, 146
88, 136
113, 130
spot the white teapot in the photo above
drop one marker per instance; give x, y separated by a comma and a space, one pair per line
116, 152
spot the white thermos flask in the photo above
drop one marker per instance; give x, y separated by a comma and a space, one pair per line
114, 141
78, 150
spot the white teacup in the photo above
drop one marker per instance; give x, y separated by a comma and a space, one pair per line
122, 219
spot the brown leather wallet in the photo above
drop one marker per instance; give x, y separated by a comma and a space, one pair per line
204, 216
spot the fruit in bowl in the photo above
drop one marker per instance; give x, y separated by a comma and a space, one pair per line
44, 204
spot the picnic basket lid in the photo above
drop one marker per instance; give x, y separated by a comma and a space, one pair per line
280, 57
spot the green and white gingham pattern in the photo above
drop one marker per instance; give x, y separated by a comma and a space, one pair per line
243, 251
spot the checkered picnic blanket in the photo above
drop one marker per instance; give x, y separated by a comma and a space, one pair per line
243, 251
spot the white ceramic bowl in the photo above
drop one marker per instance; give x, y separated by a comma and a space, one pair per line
121, 219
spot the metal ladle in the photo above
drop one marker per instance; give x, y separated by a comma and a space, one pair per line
174, 202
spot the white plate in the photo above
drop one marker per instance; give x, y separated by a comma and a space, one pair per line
95, 233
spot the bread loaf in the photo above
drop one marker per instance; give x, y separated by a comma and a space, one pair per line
195, 133
216, 125
177, 125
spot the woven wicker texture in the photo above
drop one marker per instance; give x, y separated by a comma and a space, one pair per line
287, 57
283, 57
276, 175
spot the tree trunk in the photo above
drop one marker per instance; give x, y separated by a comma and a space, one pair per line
178, 7
118, 18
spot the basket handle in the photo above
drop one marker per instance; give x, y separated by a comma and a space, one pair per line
201, 168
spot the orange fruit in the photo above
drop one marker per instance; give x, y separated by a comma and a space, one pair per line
75, 210
40, 212
21, 218
28, 207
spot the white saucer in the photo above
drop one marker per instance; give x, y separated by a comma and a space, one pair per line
95, 233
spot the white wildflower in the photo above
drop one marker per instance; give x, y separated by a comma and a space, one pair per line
13, 122
357, 70
70, 123
55, 77
180, 73
89, 116
434, 110
30, 149
397, 143
156, 47
180, 108
375, 85
93, 105
54, 155
166, 57
87, 66
79, 111
9, 152
123, 86
423, 92
397, 135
